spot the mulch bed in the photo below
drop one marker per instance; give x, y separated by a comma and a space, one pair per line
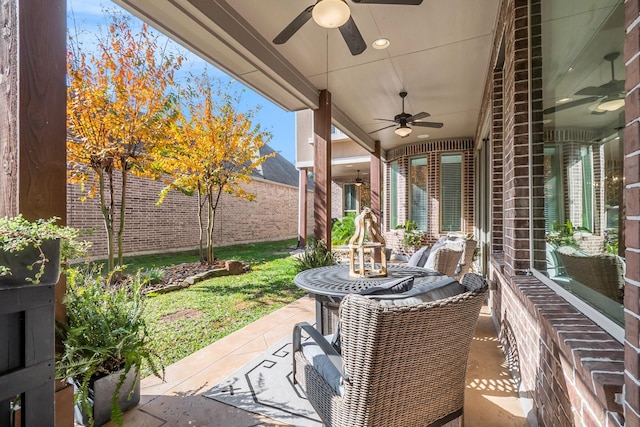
176, 274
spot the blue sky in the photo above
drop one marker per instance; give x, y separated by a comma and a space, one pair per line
88, 17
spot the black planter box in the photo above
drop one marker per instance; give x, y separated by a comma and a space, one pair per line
19, 262
27, 364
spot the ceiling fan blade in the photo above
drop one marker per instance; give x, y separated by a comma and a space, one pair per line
352, 37
418, 116
294, 26
386, 120
594, 91
402, 2
386, 127
428, 124
570, 104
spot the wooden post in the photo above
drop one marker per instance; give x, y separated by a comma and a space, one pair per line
322, 169
376, 183
32, 153
303, 183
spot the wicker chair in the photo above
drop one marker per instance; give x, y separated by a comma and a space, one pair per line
401, 365
467, 257
602, 273
447, 259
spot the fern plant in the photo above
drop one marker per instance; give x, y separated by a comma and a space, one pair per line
316, 254
343, 229
105, 332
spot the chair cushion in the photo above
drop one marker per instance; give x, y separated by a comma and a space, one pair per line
396, 286
443, 288
419, 258
431, 260
320, 361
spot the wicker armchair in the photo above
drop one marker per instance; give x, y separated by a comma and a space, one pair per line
401, 365
447, 259
602, 273
467, 257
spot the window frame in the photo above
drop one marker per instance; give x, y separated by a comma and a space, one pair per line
426, 189
441, 207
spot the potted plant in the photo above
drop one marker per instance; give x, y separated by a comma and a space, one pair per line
31, 252
105, 342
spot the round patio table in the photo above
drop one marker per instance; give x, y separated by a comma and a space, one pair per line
330, 284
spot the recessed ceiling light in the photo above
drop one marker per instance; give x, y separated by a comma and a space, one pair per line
348, 166
423, 136
561, 100
381, 43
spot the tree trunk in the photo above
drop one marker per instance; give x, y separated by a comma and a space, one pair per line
123, 202
107, 211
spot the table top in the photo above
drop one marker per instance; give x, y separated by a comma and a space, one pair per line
335, 280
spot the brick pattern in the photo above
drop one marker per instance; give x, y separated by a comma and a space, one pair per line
173, 225
632, 213
568, 365
433, 150
523, 142
497, 164
571, 368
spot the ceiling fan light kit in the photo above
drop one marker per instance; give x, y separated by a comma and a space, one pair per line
610, 105
610, 94
403, 119
331, 13
336, 14
403, 131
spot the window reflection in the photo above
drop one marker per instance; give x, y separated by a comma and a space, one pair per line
583, 100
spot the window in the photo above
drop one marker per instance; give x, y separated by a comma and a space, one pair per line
393, 195
350, 199
583, 98
418, 193
451, 192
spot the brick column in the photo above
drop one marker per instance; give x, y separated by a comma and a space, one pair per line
523, 145
632, 214
497, 167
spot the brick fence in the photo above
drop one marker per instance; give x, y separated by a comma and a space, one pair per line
173, 225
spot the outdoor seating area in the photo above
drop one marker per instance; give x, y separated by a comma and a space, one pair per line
407, 369
490, 395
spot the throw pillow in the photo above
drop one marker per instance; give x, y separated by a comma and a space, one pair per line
419, 258
396, 286
443, 288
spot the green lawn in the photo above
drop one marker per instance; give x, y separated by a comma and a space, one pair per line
182, 322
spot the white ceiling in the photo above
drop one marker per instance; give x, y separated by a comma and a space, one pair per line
439, 54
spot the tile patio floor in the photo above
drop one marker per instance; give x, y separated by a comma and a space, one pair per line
490, 400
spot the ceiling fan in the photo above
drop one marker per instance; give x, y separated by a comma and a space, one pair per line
336, 14
610, 94
403, 119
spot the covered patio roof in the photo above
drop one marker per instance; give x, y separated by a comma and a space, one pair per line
439, 53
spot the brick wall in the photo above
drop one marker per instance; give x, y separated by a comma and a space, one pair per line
568, 365
432, 150
571, 369
632, 212
173, 225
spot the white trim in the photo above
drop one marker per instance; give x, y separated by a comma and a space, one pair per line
609, 326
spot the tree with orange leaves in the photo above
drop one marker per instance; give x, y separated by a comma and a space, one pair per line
212, 151
119, 107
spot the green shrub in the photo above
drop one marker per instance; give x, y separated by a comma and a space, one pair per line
343, 229
315, 255
152, 276
105, 332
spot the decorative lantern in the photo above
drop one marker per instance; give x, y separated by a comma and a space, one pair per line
363, 246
